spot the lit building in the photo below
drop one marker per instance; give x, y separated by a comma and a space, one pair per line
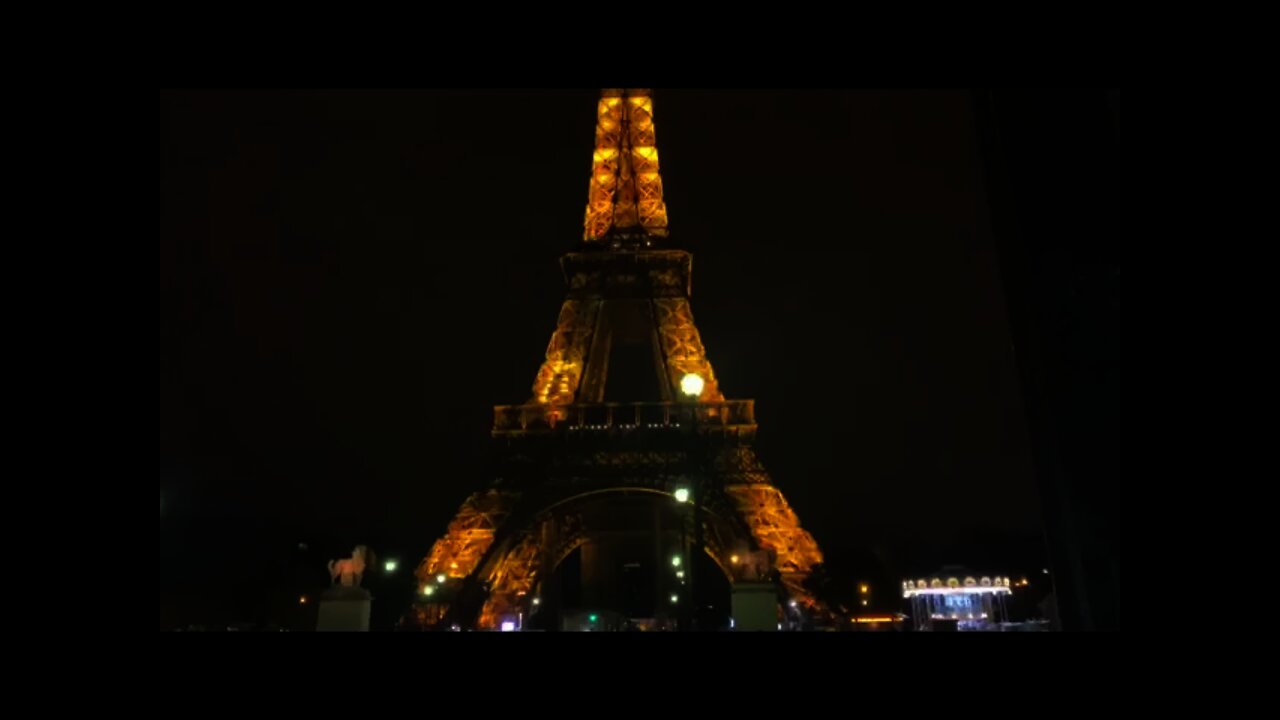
958, 601
877, 622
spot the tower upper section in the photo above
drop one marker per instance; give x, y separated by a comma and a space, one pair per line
624, 201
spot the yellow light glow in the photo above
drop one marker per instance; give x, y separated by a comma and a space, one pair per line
441, 578
733, 560
691, 384
302, 600
864, 589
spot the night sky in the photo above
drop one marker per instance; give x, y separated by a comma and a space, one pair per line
351, 280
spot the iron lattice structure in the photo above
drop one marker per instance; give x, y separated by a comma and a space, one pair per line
567, 454
625, 195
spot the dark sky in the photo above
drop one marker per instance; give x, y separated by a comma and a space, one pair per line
351, 280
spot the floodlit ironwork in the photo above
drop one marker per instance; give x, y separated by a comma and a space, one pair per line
625, 194
565, 455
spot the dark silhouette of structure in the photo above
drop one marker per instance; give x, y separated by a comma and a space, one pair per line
1054, 172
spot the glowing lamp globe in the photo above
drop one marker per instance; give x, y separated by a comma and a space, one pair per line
691, 385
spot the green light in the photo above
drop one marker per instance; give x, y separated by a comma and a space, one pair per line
594, 618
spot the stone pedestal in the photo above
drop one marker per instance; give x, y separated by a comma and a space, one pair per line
344, 609
755, 607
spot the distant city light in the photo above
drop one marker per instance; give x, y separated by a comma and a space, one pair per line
682, 495
1046, 571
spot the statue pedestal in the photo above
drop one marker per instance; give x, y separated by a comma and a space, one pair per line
755, 607
344, 609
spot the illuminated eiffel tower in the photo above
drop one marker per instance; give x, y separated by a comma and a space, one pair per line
627, 448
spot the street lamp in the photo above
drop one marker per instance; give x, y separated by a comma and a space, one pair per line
390, 566
691, 385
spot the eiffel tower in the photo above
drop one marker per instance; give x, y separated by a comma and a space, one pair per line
627, 447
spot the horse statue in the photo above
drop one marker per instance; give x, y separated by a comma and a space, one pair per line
349, 571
